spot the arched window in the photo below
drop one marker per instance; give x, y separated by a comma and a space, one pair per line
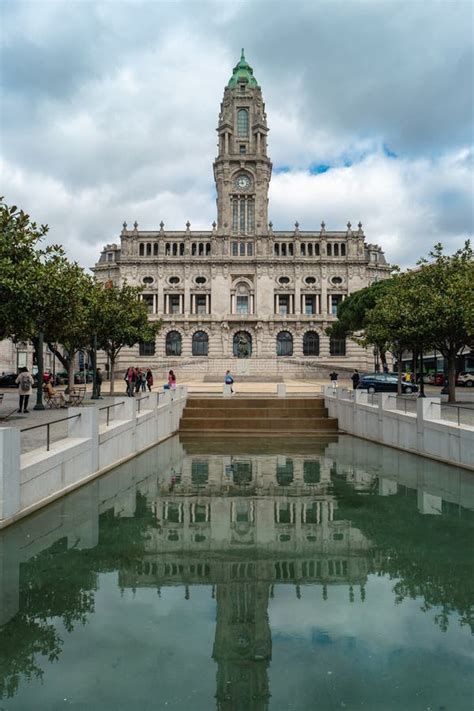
310, 250
199, 473
290, 249
173, 343
343, 250
311, 343
337, 346
181, 249
208, 248
201, 249
284, 472
311, 472
155, 249
336, 250
329, 250
193, 249
148, 249
141, 249
316, 250
242, 122
200, 343
175, 249
276, 247
303, 250
284, 344
167, 249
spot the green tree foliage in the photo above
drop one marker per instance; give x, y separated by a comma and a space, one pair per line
22, 263
352, 316
120, 319
430, 307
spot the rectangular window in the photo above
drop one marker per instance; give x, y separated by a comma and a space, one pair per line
283, 305
146, 348
242, 149
242, 249
242, 215
148, 299
201, 304
242, 304
309, 306
174, 304
250, 215
235, 249
249, 249
335, 300
235, 215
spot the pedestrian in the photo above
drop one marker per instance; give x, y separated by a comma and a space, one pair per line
149, 379
171, 380
131, 378
143, 381
25, 389
53, 393
138, 379
333, 376
229, 380
355, 377
98, 382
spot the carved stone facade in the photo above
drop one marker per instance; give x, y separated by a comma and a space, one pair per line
243, 295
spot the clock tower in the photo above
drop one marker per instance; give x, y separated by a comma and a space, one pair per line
242, 169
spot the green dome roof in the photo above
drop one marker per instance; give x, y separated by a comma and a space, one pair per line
242, 70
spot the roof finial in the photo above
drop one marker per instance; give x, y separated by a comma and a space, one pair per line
242, 56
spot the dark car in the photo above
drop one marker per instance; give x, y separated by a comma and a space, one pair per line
384, 383
7, 380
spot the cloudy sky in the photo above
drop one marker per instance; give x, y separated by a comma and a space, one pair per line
109, 111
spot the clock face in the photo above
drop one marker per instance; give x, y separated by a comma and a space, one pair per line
243, 182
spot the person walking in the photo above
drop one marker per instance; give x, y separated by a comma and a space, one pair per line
171, 380
143, 381
131, 378
138, 379
25, 389
333, 376
355, 377
98, 382
149, 379
229, 380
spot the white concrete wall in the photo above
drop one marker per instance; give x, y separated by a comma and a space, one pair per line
34, 479
421, 432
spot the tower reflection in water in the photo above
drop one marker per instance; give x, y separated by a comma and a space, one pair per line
244, 523
190, 513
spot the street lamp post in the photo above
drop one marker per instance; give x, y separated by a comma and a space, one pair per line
39, 362
94, 395
422, 381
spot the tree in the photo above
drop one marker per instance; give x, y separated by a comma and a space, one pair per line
120, 319
352, 315
449, 282
22, 261
401, 318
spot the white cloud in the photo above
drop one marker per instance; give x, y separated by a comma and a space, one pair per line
109, 114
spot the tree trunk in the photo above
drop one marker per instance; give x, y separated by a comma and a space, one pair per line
383, 359
70, 376
112, 373
452, 378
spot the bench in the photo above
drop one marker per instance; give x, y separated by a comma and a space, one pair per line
76, 396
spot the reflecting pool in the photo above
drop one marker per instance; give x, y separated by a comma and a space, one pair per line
245, 575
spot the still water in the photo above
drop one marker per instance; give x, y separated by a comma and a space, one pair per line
245, 575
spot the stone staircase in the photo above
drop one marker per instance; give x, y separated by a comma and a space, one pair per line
256, 415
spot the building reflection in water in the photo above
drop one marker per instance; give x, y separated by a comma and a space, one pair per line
190, 513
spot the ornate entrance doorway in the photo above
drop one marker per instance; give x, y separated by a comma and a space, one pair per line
242, 345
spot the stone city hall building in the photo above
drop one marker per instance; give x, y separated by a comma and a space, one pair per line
243, 295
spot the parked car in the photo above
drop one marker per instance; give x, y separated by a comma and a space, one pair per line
466, 379
434, 378
82, 376
384, 383
7, 380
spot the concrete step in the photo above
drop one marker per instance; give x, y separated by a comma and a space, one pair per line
236, 403
254, 412
273, 424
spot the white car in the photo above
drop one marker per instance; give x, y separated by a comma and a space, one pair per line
466, 379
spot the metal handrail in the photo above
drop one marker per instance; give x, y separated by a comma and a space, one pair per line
47, 425
108, 408
458, 407
145, 397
